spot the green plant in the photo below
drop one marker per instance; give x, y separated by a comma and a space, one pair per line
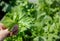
37, 21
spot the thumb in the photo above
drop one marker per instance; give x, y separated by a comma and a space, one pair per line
6, 31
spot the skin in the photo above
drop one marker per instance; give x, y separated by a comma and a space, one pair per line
3, 32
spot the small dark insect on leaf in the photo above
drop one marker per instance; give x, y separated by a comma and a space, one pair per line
13, 31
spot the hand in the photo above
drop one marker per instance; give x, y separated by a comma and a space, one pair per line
3, 32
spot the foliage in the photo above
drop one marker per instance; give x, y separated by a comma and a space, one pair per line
39, 21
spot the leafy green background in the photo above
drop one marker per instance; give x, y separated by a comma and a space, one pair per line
37, 20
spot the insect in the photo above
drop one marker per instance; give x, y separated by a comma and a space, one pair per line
13, 31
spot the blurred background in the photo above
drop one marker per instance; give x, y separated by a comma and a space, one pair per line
38, 20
